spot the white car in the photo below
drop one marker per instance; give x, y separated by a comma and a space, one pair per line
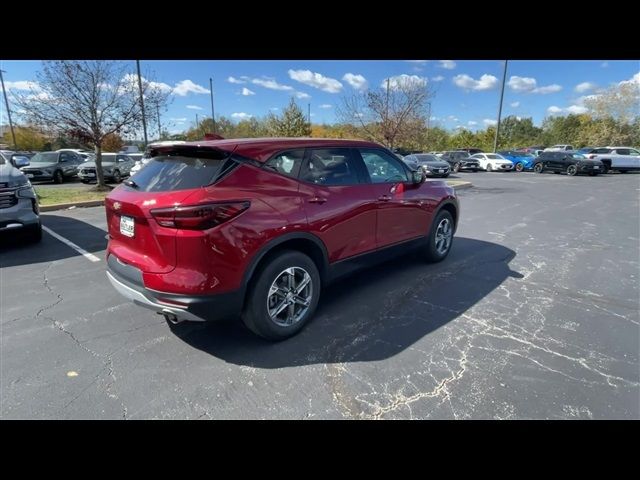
622, 159
142, 159
559, 148
493, 162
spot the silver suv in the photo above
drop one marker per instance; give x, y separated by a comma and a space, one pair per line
19, 210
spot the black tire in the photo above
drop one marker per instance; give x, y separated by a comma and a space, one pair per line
35, 233
519, 167
117, 178
456, 167
255, 314
475, 170
489, 167
85, 181
431, 253
58, 177
572, 170
538, 168
593, 174
623, 171
445, 175
605, 167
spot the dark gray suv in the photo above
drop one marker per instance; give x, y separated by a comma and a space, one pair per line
19, 209
56, 166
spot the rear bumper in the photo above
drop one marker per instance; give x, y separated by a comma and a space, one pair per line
127, 280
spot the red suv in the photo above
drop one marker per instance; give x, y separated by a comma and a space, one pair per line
257, 227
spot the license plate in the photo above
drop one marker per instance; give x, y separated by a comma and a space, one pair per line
90, 174
596, 167
29, 175
440, 171
127, 226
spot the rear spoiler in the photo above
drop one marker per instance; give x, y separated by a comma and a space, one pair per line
206, 151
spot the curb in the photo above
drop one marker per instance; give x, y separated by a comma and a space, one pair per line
461, 185
64, 206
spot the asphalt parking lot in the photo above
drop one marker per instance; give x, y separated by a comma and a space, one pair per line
535, 314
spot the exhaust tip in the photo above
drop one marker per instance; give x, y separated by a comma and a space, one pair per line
171, 318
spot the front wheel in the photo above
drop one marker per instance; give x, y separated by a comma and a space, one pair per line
440, 238
283, 296
519, 167
58, 177
572, 170
489, 168
538, 168
117, 178
445, 175
35, 233
456, 167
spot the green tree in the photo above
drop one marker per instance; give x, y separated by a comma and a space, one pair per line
292, 122
27, 138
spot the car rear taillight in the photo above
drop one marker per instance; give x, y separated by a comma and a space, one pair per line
198, 217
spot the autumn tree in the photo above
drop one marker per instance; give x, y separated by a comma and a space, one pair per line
112, 143
292, 122
28, 138
90, 100
389, 113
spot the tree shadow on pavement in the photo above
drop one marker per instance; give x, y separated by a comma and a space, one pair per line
372, 315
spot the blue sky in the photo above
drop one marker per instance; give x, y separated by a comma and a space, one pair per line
467, 92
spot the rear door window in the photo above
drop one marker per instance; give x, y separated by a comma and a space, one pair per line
330, 166
182, 171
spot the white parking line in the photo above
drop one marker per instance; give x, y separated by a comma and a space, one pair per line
82, 251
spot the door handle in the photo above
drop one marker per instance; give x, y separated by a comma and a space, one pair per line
319, 200
384, 198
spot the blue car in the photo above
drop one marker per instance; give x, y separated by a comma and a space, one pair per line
521, 160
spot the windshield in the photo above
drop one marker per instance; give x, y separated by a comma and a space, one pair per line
577, 155
46, 157
493, 156
427, 158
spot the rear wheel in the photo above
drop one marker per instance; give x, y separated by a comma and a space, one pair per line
440, 238
456, 167
283, 296
572, 170
538, 168
519, 167
58, 177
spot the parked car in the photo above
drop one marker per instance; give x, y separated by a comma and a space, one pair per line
146, 156
19, 210
559, 148
521, 160
432, 165
460, 161
535, 150
115, 167
56, 166
493, 162
573, 163
622, 159
258, 227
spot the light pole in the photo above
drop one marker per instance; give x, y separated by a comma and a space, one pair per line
159, 125
6, 102
144, 120
504, 77
428, 121
213, 116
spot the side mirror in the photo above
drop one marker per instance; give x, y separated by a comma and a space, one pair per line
418, 176
19, 162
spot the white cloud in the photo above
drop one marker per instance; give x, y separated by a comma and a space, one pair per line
22, 85
633, 80
246, 92
489, 122
356, 81
452, 118
554, 110
576, 109
585, 87
39, 96
421, 62
302, 95
241, 116
130, 82
438, 78
185, 87
179, 120
485, 82
404, 80
515, 104
194, 107
236, 80
274, 109
358, 115
471, 123
604, 64
448, 64
316, 80
434, 118
325, 105
529, 85
271, 84
518, 118
313, 114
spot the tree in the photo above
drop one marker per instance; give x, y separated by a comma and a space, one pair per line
112, 143
89, 100
387, 114
292, 123
619, 102
27, 138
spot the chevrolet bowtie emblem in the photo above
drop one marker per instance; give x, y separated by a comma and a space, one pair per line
117, 205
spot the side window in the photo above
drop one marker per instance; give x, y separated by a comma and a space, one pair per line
382, 167
287, 163
122, 159
330, 166
633, 152
623, 151
65, 157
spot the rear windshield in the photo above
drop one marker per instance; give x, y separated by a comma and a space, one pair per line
180, 172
